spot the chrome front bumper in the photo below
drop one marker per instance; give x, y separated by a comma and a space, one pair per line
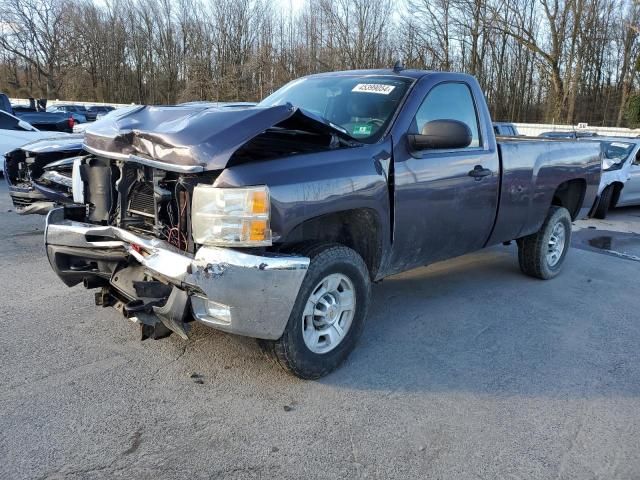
229, 290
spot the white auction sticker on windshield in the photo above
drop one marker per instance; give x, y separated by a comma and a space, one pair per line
373, 88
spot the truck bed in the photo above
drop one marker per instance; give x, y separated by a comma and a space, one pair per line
531, 170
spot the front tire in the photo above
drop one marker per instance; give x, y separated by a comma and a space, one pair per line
328, 315
542, 254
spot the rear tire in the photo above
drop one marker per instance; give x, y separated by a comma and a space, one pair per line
328, 315
542, 254
604, 203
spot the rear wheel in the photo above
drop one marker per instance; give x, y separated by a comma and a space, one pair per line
604, 203
542, 254
328, 315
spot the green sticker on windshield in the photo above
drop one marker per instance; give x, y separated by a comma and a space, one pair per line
362, 129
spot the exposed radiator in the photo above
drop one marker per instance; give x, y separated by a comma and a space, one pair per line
141, 200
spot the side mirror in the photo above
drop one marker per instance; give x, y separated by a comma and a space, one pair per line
441, 134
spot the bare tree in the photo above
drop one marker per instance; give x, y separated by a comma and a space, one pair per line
536, 60
357, 31
628, 30
35, 31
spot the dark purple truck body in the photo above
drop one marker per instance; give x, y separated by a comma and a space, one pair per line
397, 207
422, 206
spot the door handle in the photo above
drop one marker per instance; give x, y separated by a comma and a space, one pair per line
478, 172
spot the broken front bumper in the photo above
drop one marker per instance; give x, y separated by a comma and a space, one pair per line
226, 289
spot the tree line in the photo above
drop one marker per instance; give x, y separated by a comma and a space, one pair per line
555, 61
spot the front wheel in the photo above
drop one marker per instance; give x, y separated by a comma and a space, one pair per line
328, 315
542, 254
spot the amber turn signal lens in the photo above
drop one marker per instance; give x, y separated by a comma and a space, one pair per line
259, 203
258, 230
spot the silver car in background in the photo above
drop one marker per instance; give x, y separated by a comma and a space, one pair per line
630, 194
620, 180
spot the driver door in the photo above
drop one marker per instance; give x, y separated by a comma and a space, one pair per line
442, 209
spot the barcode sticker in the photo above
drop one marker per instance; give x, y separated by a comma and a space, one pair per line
374, 88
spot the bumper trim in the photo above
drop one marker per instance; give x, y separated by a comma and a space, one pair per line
258, 291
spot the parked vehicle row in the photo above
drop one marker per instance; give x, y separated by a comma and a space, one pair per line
37, 118
48, 118
81, 113
570, 134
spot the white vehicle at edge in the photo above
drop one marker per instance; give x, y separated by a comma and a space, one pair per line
630, 194
620, 180
15, 133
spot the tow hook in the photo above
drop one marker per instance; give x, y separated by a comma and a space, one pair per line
103, 298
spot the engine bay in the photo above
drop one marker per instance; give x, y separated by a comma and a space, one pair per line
139, 198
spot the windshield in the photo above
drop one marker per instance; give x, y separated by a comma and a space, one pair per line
361, 105
617, 150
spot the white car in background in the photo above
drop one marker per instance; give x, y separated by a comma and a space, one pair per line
630, 194
15, 133
620, 180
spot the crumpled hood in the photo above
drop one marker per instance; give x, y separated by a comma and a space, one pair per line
195, 135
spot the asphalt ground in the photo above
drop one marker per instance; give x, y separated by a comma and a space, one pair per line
467, 370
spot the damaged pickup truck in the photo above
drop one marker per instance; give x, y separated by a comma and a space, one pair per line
273, 221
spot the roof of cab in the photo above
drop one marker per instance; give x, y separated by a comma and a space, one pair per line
415, 74
412, 74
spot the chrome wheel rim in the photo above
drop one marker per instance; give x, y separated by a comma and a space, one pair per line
555, 247
328, 313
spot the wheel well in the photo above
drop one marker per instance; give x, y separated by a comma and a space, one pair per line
570, 195
617, 190
358, 229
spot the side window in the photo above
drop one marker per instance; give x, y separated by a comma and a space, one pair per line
449, 101
637, 160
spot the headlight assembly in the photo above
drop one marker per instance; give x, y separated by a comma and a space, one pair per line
231, 216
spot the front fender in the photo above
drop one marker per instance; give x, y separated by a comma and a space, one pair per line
307, 186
